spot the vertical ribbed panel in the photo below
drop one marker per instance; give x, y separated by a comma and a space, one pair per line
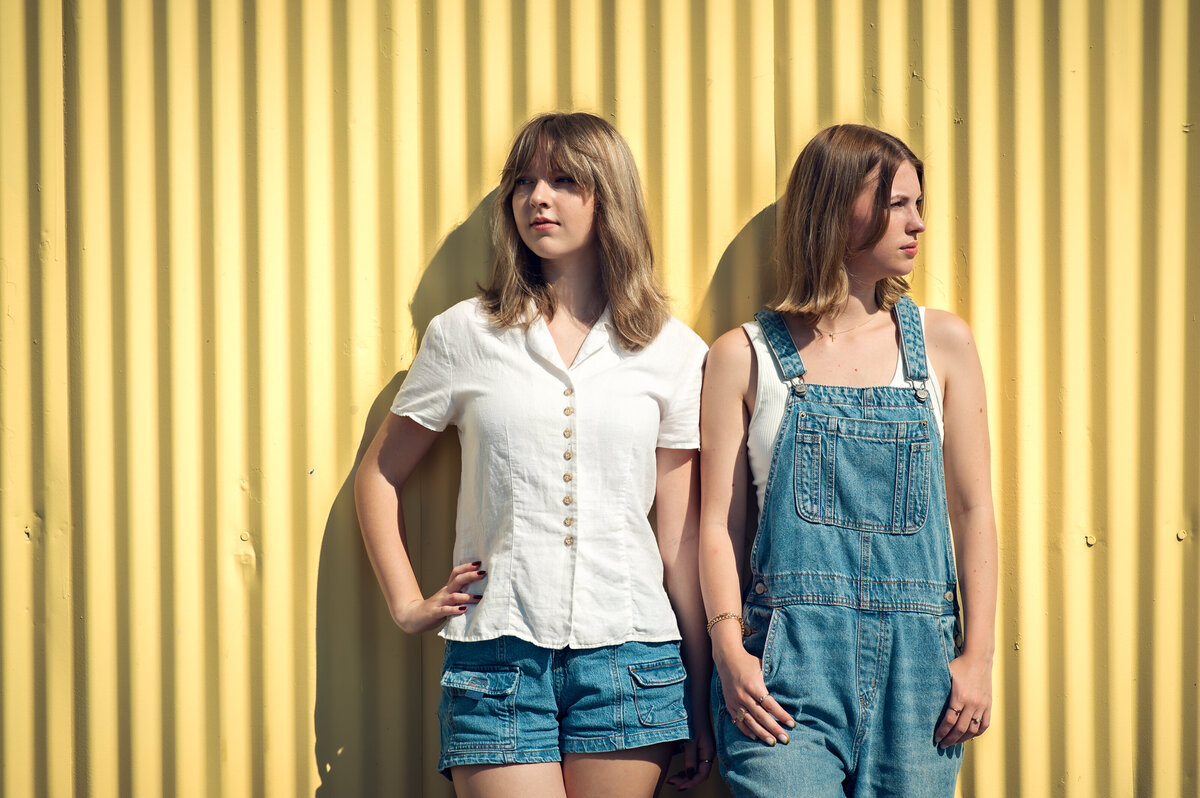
224, 226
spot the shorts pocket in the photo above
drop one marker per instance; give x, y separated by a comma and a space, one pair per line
658, 692
478, 709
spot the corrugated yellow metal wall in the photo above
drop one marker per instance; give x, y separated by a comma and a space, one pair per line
223, 226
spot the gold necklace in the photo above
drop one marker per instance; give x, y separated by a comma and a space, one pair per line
832, 333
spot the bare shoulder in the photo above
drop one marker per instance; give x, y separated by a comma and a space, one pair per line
952, 348
945, 330
731, 354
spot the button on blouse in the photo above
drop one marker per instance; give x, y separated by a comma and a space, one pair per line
558, 471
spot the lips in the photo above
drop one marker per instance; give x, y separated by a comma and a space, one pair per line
542, 223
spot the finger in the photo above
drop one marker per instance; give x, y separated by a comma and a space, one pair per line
770, 727
740, 718
464, 567
683, 781
756, 724
772, 717
459, 582
463, 598
963, 730
949, 719
777, 711
753, 727
979, 723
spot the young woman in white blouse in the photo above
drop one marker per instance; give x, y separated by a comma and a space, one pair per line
576, 399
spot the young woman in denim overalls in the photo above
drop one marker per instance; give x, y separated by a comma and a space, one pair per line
861, 421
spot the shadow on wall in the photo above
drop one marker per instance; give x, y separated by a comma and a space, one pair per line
741, 285
377, 688
744, 279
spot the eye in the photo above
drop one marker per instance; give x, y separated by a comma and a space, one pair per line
566, 180
522, 181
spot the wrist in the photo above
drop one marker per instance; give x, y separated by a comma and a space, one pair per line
978, 652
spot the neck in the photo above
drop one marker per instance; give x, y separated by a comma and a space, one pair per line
577, 289
859, 305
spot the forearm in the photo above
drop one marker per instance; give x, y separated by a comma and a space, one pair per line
683, 588
976, 554
721, 585
381, 519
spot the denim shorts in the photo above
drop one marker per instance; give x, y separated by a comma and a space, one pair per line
507, 701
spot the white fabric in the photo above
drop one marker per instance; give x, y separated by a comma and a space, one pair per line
771, 399
582, 574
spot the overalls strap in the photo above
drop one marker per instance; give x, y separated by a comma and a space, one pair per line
912, 341
783, 349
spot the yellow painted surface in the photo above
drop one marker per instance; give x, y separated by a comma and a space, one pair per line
224, 226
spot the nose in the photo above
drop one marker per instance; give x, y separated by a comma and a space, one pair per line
538, 193
915, 223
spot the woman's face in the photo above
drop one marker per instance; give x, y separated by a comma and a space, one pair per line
893, 254
554, 215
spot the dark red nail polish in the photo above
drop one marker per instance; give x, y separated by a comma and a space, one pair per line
482, 573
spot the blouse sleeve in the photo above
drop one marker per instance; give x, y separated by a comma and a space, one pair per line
427, 395
680, 424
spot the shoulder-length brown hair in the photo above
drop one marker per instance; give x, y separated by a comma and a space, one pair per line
590, 151
815, 212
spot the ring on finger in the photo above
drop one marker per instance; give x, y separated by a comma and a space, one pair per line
956, 710
974, 720
763, 697
741, 714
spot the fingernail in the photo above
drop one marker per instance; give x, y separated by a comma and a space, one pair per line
791, 724
482, 573
783, 738
477, 563
771, 741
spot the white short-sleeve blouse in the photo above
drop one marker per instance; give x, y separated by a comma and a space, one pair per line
558, 471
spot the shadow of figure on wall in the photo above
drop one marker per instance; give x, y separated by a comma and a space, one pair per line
744, 279
377, 688
741, 285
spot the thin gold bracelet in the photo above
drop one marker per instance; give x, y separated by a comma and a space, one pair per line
725, 616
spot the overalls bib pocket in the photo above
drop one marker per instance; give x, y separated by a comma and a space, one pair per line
844, 464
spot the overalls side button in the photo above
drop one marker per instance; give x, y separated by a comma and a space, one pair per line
760, 588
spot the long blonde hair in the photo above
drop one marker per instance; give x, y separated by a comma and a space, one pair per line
590, 151
814, 217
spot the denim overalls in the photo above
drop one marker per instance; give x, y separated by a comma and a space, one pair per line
851, 603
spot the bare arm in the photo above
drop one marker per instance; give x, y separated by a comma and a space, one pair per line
729, 381
388, 463
677, 507
967, 454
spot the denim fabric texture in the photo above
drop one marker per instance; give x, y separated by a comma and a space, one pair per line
852, 598
507, 701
